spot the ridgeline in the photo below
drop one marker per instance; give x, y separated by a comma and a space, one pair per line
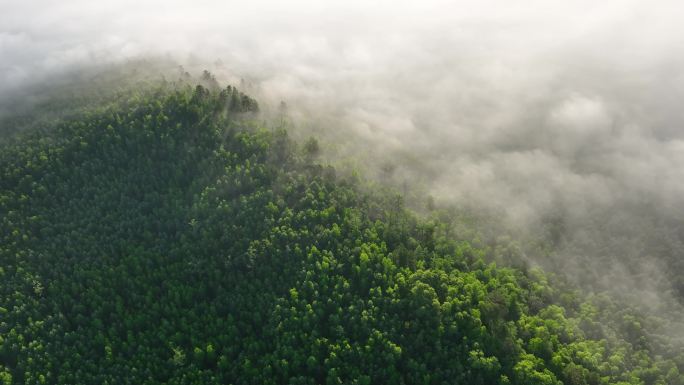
167, 237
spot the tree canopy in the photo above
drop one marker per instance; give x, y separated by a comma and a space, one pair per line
167, 237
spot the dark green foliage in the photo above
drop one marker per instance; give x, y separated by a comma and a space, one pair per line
163, 239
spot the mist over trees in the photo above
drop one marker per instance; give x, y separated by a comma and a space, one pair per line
510, 175
167, 236
550, 116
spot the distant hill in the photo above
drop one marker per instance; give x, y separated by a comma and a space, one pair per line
168, 236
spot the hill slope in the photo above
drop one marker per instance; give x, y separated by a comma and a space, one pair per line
165, 238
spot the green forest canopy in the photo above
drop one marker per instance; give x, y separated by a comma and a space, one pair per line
165, 236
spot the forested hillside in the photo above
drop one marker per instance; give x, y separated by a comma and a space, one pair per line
168, 235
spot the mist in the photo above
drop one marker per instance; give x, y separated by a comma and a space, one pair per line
563, 119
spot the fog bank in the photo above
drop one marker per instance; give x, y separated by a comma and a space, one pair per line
563, 117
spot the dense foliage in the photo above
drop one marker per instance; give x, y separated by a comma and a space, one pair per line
165, 238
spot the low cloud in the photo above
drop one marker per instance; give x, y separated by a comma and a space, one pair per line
548, 112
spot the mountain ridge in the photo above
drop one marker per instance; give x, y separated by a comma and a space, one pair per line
169, 237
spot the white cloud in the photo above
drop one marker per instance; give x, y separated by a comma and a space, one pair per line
546, 105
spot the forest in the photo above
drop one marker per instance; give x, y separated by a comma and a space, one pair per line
166, 233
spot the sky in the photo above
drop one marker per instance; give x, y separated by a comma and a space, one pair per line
543, 111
